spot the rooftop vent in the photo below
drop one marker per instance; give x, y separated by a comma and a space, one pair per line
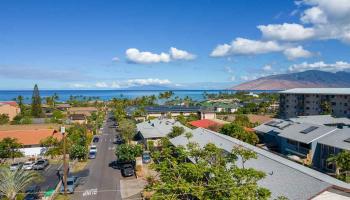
308, 130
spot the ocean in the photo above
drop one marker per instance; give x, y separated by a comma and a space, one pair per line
8, 95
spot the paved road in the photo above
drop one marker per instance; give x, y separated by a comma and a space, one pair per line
101, 182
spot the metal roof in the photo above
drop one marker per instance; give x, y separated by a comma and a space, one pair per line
337, 139
283, 177
321, 119
163, 109
334, 91
158, 128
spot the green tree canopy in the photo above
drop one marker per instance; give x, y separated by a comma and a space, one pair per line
176, 131
36, 102
4, 119
127, 128
9, 148
237, 131
126, 152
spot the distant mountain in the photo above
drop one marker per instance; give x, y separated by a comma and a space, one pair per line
306, 79
149, 87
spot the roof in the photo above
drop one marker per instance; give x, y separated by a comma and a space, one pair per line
334, 91
30, 137
321, 119
283, 177
29, 127
158, 128
301, 132
82, 109
63, 105
163, 109
77, 117
11, 103
337, 139
204, 123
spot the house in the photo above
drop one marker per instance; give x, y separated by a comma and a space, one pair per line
154, 130
221, 107
307, 139
87, 111
77, 119
315, 101
163, 111
283, 177
9, 108
205, 123
30, 139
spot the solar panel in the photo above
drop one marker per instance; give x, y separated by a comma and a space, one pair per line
308, 130
347, 140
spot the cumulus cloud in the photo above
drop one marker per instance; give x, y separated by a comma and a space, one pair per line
314, 15
101, 85
115, 59
134, 55
178, 54
296, 52
267, 68
242, 46
286, 32
145, 57
330, 67
149, 81
123, 84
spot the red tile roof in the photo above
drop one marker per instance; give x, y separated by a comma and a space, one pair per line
204, 123
11, 103
30, 137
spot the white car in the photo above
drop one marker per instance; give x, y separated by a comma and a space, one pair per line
93, 148
15, 166
28, 165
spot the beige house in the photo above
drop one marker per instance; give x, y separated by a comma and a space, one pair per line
82, 110
9, 108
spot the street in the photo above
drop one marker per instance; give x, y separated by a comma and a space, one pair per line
99, 181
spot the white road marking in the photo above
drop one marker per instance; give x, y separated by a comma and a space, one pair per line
90, 192
111, 148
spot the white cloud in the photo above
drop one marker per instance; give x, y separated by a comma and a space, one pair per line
145, 57
314, 15
286, 32
248, 78
267, 68
233, 78
330, 67
296, 52
115, 59
115, 85
178, 54
242, 46
149, 81
101, 85
79, 85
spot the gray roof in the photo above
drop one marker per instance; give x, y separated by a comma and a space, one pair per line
295, 132
334, 91
337, 139
158, 128
321, 119
283, 177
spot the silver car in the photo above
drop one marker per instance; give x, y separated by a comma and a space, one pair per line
15, 166
28, 165
72, 183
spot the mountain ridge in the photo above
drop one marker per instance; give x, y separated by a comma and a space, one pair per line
305, 79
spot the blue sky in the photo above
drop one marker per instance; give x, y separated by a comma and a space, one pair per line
188, 44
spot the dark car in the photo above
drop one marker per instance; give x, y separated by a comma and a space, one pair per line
118, 163
127, 170
119, 140
32, 193
41, 164
92, 154
95, 140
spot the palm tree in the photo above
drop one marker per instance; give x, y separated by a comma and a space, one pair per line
341, 161
13, 182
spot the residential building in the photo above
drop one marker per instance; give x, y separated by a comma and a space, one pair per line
314, 101
283, 177
77, 119
310, 140
30, 139
9, 108
154, 130
173, 111
87, 111
205, 123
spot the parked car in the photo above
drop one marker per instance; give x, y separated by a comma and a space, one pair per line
92, 154
72, 183
146, 157
95, 140
93, 148
28, 165
119, 140
127, 170
15, 166
118, 163
41, 164
32, 193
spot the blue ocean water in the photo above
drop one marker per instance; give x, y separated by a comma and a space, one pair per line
7, 95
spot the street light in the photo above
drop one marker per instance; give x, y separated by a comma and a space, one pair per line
63, 131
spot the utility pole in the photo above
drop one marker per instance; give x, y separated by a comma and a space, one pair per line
63, 131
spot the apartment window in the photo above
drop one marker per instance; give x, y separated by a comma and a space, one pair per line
307, 108
307, 146
334, 103
345, 104
332, 96
292, 142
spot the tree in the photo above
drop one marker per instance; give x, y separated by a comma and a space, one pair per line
13, 182
78, 151
176, 131
4, 119
238, 132
36, 102
127, 128
166, 95
53, 146
128, 153
326, 107
57, 116
19, 100
342, 164
9, 148
214, 175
